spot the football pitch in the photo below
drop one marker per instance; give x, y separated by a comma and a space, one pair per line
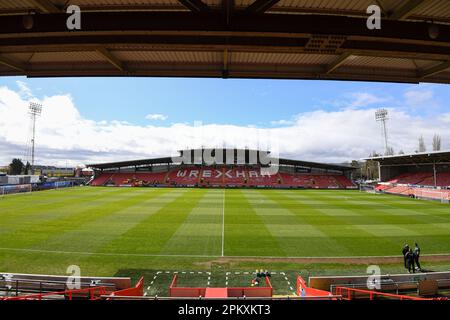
113, 231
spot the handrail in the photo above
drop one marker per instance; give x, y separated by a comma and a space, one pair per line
341, 290
333, 297
91, 292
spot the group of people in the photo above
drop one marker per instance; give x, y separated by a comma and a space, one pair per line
411, 258
260, 274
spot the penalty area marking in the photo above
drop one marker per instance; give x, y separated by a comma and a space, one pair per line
152, 283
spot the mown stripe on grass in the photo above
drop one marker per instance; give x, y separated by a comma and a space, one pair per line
356, 240
71, 218
405, 221
40, 208
296, 236
200, 233
93, 234
151, 234
245, 232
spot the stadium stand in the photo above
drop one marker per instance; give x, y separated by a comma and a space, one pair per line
212, 176
187, 176
420, 175
101, 179
222, 176
165, 172
412, 178
235, 177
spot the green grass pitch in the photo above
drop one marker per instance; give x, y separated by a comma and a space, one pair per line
120, 231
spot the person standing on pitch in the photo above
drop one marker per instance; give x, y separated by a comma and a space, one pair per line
410, 261
417, 256
404, 252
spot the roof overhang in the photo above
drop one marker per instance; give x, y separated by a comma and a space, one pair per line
414, 158
228, 39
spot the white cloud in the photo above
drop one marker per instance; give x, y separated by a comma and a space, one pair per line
156, 116
329, 136
364, 99
418, 97
446, 117
355, 100
282, 122
24, 90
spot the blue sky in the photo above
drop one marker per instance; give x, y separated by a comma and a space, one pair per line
240, 102
87, 120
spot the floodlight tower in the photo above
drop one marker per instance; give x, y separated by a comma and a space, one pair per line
381, 115
35, 110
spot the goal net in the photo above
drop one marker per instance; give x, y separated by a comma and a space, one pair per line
441, 195
15, 189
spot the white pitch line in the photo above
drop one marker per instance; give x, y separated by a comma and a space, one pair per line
223, 223
111, 254
203, 256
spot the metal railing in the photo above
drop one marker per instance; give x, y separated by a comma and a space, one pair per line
351, 293
93, 293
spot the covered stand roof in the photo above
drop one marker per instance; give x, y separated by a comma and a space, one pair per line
169, 160
414, 159
295, 39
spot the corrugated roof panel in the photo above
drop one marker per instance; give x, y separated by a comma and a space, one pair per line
280, 58
19, 57
121, 2
73, 56
15, 5
376, 62
170, 56
344, 5
237, 3
433, 8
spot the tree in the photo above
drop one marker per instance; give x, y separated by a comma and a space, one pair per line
401, 152
437, 142
16, 167
422, 147
27, 169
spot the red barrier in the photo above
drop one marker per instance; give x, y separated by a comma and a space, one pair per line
137, 291
258, 292
304, 290
175, 291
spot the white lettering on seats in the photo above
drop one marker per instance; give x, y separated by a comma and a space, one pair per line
240, 174
206, 174
228, 174
253, 174
193, 174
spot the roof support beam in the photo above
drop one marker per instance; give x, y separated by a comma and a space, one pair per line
228, 8
338, 62
45, 6
225, 72
261, 6
195, 5
404, 11
436, 69
107, 26
105, 53
12, 64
